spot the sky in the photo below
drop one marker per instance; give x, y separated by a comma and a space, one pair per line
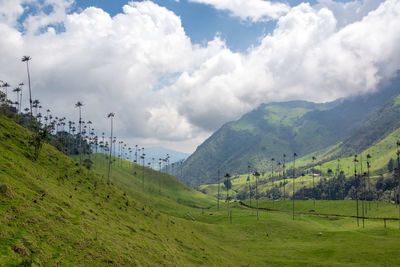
173, 72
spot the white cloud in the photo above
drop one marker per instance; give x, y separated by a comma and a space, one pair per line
349, 12
10, 10
116, 64
253, 10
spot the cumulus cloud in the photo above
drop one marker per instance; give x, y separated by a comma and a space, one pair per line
165, 90
253, 10
349, 12
307, 57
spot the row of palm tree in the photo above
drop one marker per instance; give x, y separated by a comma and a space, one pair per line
362, 186
81, 141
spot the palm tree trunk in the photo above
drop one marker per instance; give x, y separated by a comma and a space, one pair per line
356, 181
17, 105
109, 157
218, 189
313, 188
20, 101
80, 136
294, 175
257, 194
29, 84
143, 175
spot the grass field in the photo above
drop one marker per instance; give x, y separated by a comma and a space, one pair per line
55, 212
345, 208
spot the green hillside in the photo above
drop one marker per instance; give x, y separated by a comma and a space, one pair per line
56, 212
161, 191
380, 153
348, 125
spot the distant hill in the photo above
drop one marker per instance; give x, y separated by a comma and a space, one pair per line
161, 152
297, 126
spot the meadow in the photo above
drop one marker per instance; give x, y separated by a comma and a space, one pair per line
56, 212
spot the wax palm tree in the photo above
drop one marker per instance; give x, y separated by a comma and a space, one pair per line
257, 175
369, 182
26, 59
218, 181
6, 85
279, 174
355, 160
110, 116
143, 158
79, 105
284, 176
89, 123
398, 175
35, 104
272, 167
17, 90
249, 181
294, 176
228, 186
21, 86
96, 144
312, 174
39, 118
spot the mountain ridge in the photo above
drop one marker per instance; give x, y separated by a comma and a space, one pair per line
282, 127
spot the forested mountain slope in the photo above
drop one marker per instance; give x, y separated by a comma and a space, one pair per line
302, 127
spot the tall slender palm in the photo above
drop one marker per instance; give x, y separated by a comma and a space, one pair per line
111, 117
272, 167
35, 104
5, 85
218, 181
398, 175
369, 181
79, 105
143, 158
26, 59
227, 187
313, 184
338, 172
21, 85
279, 173
17, 90
355, 160
248, 180
257, 174
90, 137
362, 183
294, 176
284, 176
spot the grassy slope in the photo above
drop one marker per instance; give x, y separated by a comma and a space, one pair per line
73, 222
162, 191
55, 211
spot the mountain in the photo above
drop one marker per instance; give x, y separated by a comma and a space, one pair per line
297, 126
378, 124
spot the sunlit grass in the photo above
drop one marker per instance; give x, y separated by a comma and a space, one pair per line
55, 212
